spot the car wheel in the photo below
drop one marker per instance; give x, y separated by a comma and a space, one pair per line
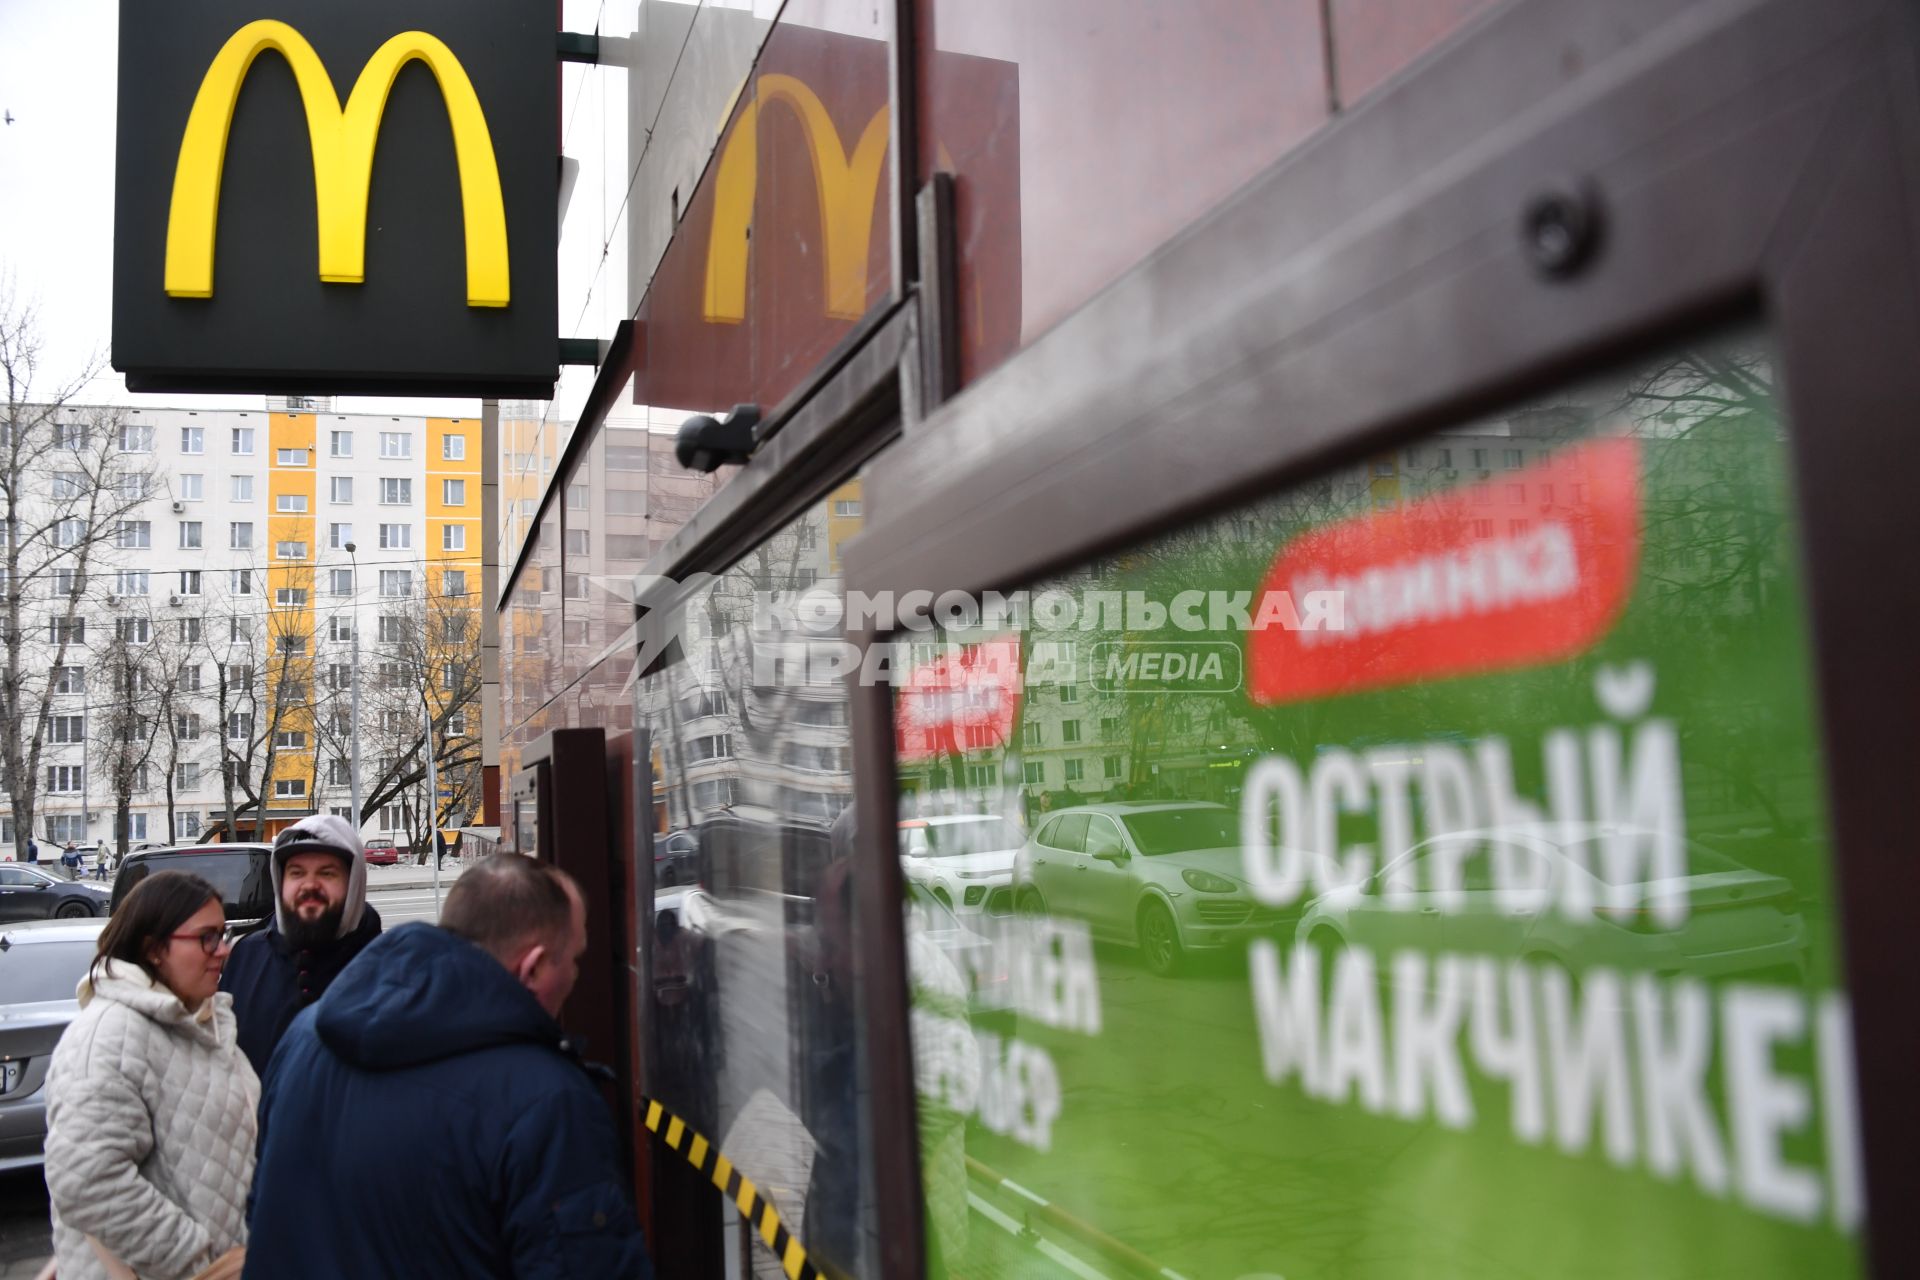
1031, 904
1159, 939
73, 910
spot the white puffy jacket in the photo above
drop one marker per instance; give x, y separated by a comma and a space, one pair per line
151, 1117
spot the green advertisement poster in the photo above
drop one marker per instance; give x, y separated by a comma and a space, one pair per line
1422, 871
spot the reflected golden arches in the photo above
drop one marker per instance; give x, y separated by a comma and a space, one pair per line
846, 187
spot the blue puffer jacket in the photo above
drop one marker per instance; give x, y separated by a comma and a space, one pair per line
426, 1119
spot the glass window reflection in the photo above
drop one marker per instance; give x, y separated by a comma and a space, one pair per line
1483, 932
752, 1026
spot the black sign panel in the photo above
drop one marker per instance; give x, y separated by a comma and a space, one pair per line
376, 215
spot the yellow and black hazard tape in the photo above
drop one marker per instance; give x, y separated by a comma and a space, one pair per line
736, 1186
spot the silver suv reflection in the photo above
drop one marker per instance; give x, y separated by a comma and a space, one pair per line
1165, 878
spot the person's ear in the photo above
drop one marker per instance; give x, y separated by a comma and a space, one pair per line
530, 963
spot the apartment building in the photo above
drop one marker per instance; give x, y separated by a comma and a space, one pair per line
216, 627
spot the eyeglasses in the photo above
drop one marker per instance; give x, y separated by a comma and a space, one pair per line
210, 940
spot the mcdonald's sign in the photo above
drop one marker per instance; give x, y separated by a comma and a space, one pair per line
337, 197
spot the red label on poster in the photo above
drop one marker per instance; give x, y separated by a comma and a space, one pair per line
968, 700
1529, 568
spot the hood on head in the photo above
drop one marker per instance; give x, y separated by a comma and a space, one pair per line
323, 833
419, 994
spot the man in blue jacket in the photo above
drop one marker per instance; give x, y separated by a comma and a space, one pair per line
321, 920
430, 1110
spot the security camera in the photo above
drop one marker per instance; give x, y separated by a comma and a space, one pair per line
707, 444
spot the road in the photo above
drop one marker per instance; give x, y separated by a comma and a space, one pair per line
398, 906
25, 1236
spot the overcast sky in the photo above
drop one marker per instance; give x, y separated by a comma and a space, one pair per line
57, 78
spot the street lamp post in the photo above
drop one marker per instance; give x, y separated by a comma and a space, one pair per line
353, 724
433, 795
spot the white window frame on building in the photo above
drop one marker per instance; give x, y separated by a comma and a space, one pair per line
290, 457
396, 584
396, 491
396, 444
241, 441
193, 487
290, 503
191, 535
340, 444
453, 493
396, 537
193, 440
340, 490
453, 447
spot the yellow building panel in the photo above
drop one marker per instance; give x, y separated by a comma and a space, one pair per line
291, 588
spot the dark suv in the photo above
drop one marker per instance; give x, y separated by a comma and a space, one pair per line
243, 873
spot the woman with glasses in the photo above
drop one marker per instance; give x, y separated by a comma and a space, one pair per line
150, 1104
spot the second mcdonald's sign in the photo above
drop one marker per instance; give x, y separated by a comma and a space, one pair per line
332, 196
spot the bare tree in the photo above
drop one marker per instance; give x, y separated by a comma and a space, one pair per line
178, 669
125, 722
69, 477
264, 663
431, 643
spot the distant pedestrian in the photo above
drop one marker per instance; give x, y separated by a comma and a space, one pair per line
33, 849
435, 1064
150, 1104
321, 921
70, 859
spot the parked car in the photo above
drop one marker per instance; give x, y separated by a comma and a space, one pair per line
32, 891
381, 852
242, 872
41, 964
676, 859
1166, 878
1737, 920
960, 858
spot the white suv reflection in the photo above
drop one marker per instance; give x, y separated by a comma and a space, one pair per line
960, 858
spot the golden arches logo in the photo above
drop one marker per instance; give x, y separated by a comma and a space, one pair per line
847, 187
343, 140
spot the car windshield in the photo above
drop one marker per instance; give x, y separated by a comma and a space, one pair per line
975, 835
1176, 830
236, 874
34, 972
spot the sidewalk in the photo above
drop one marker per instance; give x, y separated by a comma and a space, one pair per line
407, 876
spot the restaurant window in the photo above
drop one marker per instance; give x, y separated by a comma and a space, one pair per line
775, 1070
1508, 903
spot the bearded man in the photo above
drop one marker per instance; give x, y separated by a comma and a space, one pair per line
321, 921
